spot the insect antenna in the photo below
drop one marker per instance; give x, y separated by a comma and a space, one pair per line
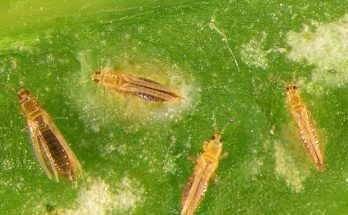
86, 68
90, 77
8, 87
278, 79
215, 124
214, 121
225, 126
293, 78
12, 87
83, 82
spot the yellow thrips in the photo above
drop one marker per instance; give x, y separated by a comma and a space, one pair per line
143, 88
206, 164
52, 152
305, 126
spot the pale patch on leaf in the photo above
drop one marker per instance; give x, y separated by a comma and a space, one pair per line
252, 54
325, 47
289, 168
98, 197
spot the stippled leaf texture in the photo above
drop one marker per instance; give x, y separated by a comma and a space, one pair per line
230, 61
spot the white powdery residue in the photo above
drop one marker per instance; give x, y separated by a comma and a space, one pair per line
169, 165
99, 198
100, 106
251, 168
129, 195
255, 166
288, 168
7, 165
109, 148
326, 48
252, 54
95, 199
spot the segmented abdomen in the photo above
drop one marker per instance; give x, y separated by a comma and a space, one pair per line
309, 136
196, 187
149, 97
57, 151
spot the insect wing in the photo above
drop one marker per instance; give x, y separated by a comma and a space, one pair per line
42, 153
309, 136
146, 83
187, 190
189, 193
149, 97
192, 194
148, 92
75, 164
138, 81
318, 149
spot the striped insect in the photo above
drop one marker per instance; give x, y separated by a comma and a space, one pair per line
140, 87
206, 164
304, 125
52, 151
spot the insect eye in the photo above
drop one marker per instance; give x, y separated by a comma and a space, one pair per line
98, 72
96, 80
295, 87
221, 140
287, 88
212, 137
19, 97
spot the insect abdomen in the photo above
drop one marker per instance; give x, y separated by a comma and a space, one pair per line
61, 160
309, 138
141, 87
306, 130
149, 97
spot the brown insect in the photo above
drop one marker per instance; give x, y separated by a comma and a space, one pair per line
206, 164
305, 125
141, 87
52, 151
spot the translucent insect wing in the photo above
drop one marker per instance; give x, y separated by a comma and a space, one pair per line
149, 84
157, 95
136, 88
41, 151
74, 161
187, 189
49, 161
192, 194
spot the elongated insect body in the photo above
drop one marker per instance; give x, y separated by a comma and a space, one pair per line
52, 151
206, 164
305, 126
143, 88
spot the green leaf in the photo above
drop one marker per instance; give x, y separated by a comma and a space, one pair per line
227, 58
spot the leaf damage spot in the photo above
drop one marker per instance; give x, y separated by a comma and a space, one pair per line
100, 106
289, 168
253, 54
325, 48
99, 198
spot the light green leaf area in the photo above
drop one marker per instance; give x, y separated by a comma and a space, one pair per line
228, 59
